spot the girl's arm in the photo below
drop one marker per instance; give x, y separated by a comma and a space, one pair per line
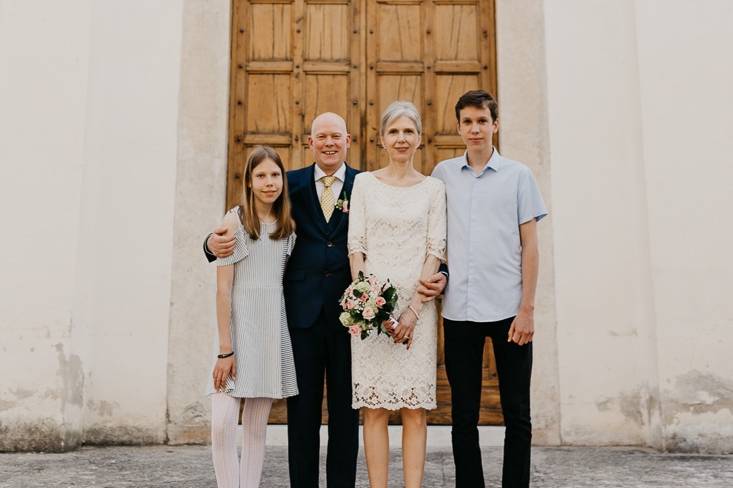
227, 366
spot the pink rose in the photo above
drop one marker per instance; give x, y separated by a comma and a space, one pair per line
368, 313
380, 302
364, 297
355, 330
345, 206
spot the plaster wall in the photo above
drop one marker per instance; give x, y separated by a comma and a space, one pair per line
524, 137
88, 153
606, 351
640, 115
43, 82
123, 298
199, 194
687, 117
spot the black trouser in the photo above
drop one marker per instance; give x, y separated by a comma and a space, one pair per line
323, 348
464, 346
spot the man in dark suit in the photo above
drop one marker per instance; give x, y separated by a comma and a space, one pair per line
316, 276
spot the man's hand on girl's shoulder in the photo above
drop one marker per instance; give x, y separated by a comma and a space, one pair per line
221, 242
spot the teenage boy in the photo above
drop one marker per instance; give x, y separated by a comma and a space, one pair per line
493, 209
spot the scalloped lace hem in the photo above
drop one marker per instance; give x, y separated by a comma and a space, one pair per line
420, 397
394, 406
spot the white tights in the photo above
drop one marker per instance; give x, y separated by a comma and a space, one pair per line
230, 472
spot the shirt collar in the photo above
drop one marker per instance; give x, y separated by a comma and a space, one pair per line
496, 162
340, 173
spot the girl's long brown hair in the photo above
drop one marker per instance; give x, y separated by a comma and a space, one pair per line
281, 206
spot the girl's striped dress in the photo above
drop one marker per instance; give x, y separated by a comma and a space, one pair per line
260, 337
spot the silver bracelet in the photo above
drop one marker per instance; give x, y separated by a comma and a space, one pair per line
414, 311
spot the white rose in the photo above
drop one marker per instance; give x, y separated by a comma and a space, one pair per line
346, 319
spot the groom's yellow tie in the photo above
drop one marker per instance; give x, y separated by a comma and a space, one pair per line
327, 200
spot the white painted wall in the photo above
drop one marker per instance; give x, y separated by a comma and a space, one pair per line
601, 251
200, 195
127, 225
524, 136
88, 152
43, 85
686, 75
640, 117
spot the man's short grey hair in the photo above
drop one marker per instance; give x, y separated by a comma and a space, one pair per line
399, 109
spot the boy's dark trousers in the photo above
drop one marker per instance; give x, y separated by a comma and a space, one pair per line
464, 345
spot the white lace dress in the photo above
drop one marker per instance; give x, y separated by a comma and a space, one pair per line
396, 228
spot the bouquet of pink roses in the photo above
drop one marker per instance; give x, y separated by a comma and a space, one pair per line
366, 305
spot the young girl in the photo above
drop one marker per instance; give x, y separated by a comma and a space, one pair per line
255, 360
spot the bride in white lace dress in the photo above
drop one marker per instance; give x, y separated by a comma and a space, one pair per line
397, 232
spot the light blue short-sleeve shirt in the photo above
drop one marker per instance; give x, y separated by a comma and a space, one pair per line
484, 248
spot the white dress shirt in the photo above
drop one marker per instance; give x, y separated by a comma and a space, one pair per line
337, 185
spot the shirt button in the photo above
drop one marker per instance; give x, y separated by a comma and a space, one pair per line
329, 244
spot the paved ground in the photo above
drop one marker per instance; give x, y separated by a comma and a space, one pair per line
190, 466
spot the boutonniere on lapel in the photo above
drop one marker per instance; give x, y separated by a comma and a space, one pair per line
343, 203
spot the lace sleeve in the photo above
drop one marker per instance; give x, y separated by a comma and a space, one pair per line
436, 223
357, 218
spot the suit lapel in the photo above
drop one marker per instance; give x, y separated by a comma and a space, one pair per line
340, 215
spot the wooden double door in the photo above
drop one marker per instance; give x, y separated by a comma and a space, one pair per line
294, 59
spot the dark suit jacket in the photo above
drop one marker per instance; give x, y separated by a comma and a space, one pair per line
318, 270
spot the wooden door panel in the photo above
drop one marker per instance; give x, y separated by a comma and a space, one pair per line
399, 87
268, 99
326, 93
456, 32
326, 32
271, 28
294, 59
399, 31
